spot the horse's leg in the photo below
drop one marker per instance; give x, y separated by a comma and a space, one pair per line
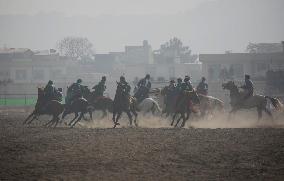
153, 109
182, 114
232, 112
269, 113
174, 117
91, 114
56, 121
184, 120
79, 119
129, 117
135, 117
113, 118
29, 117
64, 114
49, 123
104, 114
34, 117
117, 118
259, 113
76, 115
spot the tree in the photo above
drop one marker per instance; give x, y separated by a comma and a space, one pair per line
172, 50
76, 47
252, 48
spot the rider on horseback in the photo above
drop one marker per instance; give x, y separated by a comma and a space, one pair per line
144, 86
185, 86
202, 87
179, 83
50, 91
100, 88
74, 91
170, 94
248, 87
124, 85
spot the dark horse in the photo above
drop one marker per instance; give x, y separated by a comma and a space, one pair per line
185, 106
78, 105
101, 103
42, 107
123, 103
255, 101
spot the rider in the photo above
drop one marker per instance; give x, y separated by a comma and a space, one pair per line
178, 85
202, 87
74, 91
144, 86
186, 85
49, 91
248, 87
171, 92
124, 85
100, 87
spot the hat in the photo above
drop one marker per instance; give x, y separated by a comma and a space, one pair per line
122, 78
186, 78
79, 81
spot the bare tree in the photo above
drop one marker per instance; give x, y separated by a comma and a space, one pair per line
76, 47
173, 49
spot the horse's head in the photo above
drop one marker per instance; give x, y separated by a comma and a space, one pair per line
229, 85
193, 96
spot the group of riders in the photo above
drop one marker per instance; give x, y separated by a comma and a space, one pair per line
141, 91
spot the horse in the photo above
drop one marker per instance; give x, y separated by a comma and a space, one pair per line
42, 107
99, 103
210, 104
78, 105
167, 107
185, 106
123, 103
148, 105
255, 101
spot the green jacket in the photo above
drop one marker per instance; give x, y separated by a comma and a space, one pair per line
100, 88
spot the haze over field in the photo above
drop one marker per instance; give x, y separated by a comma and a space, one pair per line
207, 26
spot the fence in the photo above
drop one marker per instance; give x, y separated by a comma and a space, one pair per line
18, 99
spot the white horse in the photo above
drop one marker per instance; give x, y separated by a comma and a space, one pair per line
149, 105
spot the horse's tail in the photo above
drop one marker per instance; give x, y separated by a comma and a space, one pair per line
275, 102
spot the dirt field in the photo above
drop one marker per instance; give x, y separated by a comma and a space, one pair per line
94, 153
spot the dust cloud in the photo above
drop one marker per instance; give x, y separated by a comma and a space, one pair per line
242, 119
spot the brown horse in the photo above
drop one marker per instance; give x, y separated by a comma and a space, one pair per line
42, 107
183, 107
104, 104
123, 103
255, 101
79, 105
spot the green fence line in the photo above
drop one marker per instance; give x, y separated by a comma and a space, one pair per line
18, 101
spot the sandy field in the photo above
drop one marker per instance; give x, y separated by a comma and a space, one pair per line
213, 149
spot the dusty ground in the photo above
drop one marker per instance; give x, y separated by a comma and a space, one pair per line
38, 153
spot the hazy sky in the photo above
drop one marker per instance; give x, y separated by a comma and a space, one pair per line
97, 7
207, 26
